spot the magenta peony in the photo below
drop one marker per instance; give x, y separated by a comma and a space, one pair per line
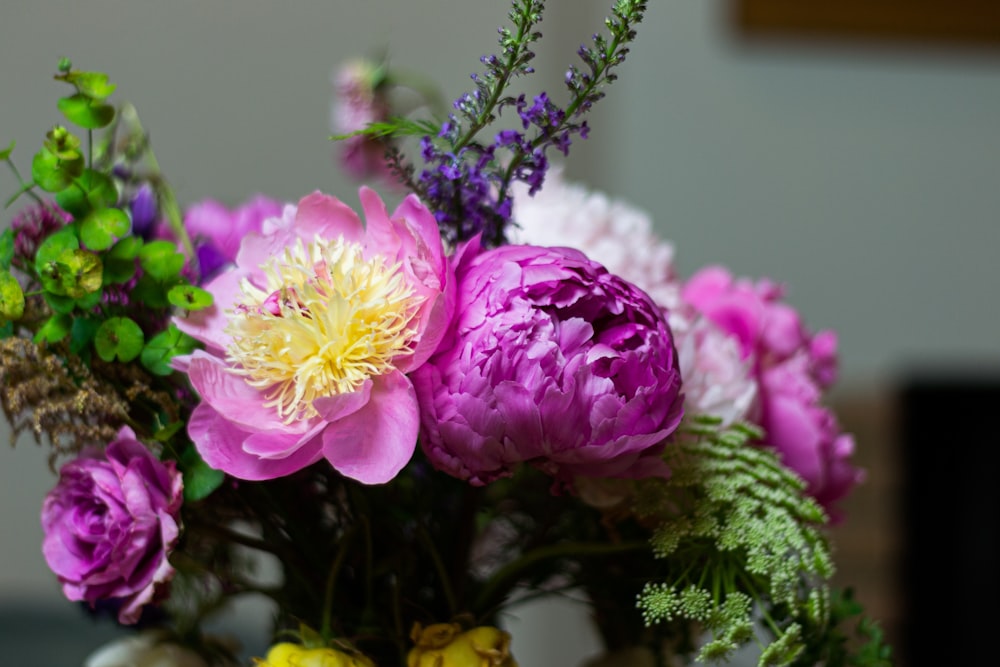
310, 339
111, 522
553, 361
792, 367
717, 380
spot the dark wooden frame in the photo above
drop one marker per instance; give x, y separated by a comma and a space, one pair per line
973, 22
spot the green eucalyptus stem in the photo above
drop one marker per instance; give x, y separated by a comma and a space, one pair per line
508, 575
23, 186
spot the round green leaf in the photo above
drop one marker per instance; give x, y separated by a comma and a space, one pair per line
189, 297
92, 190
80, 273
100, 229
11, 298
52, 174
118, 338
55, 329
161, 260
47, 258
92, 84
163, 347
86, 111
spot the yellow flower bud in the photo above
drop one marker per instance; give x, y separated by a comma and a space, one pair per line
286, 654
442, 645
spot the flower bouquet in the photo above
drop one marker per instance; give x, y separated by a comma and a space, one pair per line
492, 389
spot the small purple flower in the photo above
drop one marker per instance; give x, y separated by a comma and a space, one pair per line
552, 361
110, 523
145, 211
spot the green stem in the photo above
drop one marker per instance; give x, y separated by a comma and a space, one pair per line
331, 581
508, 575
23, 186
442, 571
524, 24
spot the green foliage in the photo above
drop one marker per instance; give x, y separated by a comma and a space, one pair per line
6, 248
189, 297
91, 191
86, 111
118, 338
161, 260
11, 298
200, 480
103, 227
830, 643
5, 153
163, 347
119, 261
733, 527
55, 329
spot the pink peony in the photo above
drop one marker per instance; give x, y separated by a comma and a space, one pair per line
792, 367
217, 231
553, 361
310, 338
111, 522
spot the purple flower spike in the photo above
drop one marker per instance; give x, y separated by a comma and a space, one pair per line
551, 361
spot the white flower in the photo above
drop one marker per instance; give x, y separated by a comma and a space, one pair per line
717, 380
608, 231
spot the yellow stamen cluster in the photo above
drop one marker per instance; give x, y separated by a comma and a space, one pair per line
326, 320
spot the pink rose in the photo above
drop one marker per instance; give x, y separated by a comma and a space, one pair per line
310, 339
110, 523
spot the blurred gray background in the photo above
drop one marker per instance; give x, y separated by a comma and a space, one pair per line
864, 176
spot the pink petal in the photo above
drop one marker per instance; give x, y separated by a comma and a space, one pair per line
373, 444
230, 395
220, 443
327, 217
208, 325
332, 408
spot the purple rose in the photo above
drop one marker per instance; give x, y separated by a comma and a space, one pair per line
553, 361
110, 523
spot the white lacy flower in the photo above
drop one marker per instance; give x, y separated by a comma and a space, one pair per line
608, 231
146, 649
